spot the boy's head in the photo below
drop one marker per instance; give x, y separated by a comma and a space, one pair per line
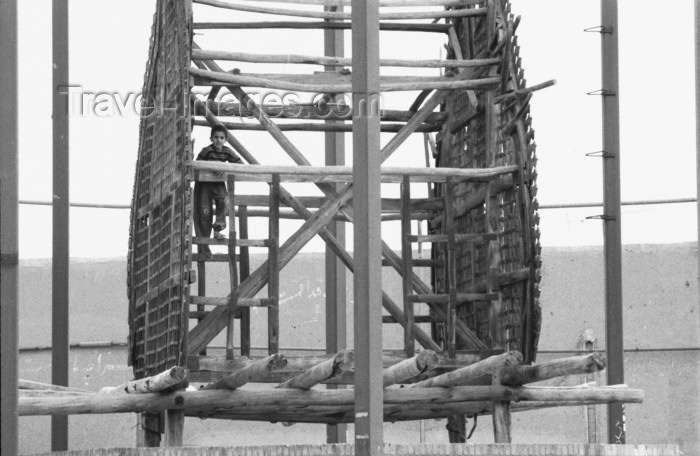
218, 136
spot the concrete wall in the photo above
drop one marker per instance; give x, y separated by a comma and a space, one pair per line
662, 337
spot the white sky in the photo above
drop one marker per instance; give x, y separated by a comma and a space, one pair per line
108, 51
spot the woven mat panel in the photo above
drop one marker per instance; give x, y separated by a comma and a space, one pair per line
510, 210
158, 260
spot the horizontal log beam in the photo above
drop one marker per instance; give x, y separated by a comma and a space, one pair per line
304, 25
471, 12
342, 361
289, 82
263, 173
202, 54
301, 402
305, 111
339, 128
382, 3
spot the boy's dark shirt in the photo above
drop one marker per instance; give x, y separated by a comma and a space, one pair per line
226, 155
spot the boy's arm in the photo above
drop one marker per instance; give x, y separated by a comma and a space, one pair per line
232, 157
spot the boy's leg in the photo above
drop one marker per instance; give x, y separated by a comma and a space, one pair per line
219, 194
203, 213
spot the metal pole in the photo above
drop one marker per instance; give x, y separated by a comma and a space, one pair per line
367, 286
9, 251
336, 303
697, 114
611, 208
59, 274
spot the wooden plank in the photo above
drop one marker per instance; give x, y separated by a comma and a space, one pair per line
273, 286
223, 302
296, 83
174, 427
458, 297
457, 238
202, 54
471, 12
385, 3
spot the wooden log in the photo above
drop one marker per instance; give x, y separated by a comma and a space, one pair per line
31, 385
576, 365
471, 12
524, 91
314, 202
500, 416
332, 25
251, 371
263, 173
159, 382
384, 3
283, 399
273, 285
50, 393
342, 361
302, 111
409, 368
322, 127
202, 54
283, 82
477, 372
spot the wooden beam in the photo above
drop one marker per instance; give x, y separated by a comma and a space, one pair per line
155, 383
346, 128
471, 12
477, 372
254, 370
387, 26
289, 82
409, 368
263, 173
201, 54
575, 365
342, 361
385, 3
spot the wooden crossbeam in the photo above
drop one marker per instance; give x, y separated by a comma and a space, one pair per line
241, 377
202, 54
477, 372
471, 12
382, 3
322, 127
332, 25
300, 83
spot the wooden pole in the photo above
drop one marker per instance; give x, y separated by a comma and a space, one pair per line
329, 128
273, 285
367, 284
407, 265
411, 367
285, 82
152, 384
9, 224
251, 371
232, 265
576, 365
61, 216
342, 361
327, 25
333, 62
330, 5
501, 417
477, 372
244, 273
612, 232
696, 4
471, 12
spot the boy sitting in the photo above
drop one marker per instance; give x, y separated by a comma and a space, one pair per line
207, 193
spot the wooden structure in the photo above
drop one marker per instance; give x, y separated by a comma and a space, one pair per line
481, 213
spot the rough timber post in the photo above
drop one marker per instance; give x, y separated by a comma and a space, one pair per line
60, 264
611, 220
336, 302
697, 114
9, 309
367, 285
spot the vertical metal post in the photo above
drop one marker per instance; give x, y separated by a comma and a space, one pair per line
611, 224
60, 263
697, 113
369, 394
336, 302
9, 252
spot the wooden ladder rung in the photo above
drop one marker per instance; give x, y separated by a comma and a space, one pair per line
416, 319
474, 237
445, 298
